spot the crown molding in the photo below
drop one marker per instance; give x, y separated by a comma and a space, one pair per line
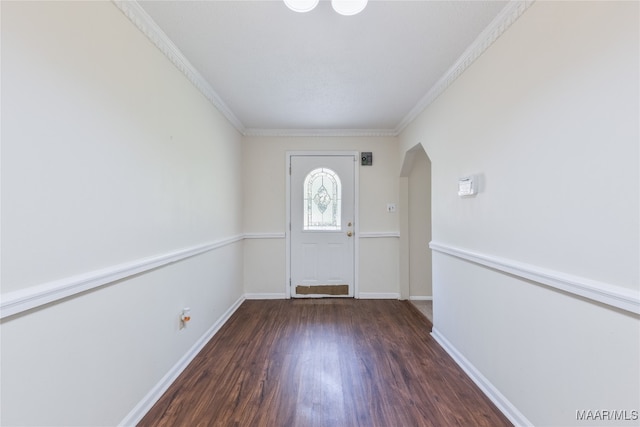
320, 132
507, 16
141, 19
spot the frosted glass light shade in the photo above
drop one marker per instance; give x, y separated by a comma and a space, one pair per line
301, 5
348, 7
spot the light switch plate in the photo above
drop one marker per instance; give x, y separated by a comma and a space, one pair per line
467, 186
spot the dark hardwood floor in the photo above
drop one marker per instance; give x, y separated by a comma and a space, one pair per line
324, 362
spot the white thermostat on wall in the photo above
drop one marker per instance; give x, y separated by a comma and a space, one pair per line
467, 186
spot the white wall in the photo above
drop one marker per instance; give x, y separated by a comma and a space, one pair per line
109, 156
419, 205
265, 200
547, 118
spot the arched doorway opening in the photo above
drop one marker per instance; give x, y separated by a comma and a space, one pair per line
416, 174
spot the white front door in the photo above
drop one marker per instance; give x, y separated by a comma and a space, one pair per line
322, 217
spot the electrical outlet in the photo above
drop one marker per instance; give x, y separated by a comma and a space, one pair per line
185, 317
391, 207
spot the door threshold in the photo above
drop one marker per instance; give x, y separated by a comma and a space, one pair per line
321, 290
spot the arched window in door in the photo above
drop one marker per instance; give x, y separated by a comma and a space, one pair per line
322, 200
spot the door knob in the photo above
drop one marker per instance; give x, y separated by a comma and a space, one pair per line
349, 233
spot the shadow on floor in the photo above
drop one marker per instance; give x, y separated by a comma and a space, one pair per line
425, 307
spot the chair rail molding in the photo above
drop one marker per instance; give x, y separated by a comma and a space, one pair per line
251, 236
15, 302
378, 234
605, 293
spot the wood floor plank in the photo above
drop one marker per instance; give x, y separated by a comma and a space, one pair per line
321, 363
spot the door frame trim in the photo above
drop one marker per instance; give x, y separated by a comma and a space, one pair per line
356, 213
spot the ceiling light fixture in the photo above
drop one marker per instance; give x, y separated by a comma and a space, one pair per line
348, 7
301, 5
343, 7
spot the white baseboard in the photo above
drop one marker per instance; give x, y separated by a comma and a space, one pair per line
141, 409
374, 295
419, 298
265, 296
503, 404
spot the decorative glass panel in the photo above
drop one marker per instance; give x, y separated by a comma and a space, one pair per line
322, 200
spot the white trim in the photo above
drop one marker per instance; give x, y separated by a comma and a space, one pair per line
507, 16
356, 213
363, 235
264, 235
287, 225
605, 293
265, 296
379, 295
137, 15
378, 234
141, 409
141, 19
26, 299
420, 298
320, 132
503, 404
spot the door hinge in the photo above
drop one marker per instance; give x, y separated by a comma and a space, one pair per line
289, 168
289, 281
